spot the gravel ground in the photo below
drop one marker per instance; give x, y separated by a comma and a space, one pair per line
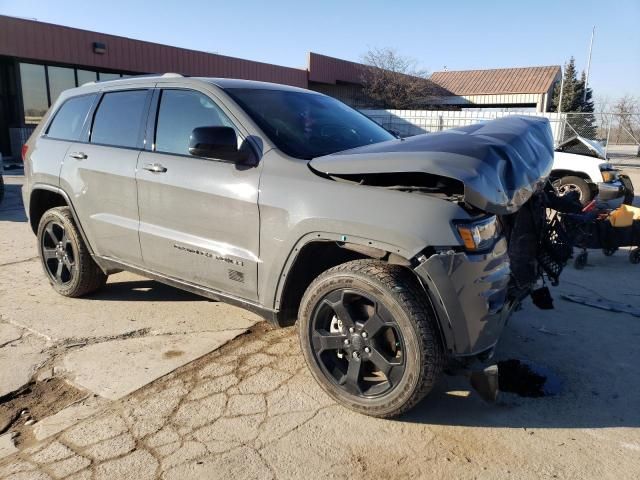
251, 410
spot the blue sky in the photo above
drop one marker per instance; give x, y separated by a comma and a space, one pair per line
461, 35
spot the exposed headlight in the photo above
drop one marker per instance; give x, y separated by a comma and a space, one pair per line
479, 235
609, 173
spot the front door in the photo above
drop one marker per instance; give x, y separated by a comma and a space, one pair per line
99, 175
198, 217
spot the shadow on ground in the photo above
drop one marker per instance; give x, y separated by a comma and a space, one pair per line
594, 353
143, 291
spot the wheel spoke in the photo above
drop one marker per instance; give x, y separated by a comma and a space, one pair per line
380, 319
59, 271
352, 378
68, 264
51, 233
392, 369
327, 341
65, 239
48, 253
340, 309
374, 325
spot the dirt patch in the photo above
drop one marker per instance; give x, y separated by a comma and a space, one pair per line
172, 353
35, 402
527, 380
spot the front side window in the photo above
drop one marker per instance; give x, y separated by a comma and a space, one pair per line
179, 113
34, 92
69, 119
60, 79
307, 125
119, 118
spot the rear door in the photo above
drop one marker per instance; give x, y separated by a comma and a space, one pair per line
198, 217
99, 174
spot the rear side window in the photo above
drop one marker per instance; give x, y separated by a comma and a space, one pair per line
68, 121
119, 118
180, 112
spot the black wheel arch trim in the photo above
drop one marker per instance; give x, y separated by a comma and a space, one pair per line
349, 242
67, 199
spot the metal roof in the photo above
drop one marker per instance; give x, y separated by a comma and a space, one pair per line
498, 81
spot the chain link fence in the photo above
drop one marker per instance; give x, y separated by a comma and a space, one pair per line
618, 133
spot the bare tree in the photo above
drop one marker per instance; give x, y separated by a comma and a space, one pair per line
628, 110
394, 80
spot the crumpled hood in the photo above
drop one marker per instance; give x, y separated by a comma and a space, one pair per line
501, 162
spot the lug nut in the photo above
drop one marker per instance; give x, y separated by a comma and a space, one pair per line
367, 349
351, 330
346, 341
355, 355
364, 334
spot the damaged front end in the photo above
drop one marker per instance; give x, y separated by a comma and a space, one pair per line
495, 171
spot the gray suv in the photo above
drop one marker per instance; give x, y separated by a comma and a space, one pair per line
391, 254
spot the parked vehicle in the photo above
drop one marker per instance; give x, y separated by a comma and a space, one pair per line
389, 253
1, 179
580, 165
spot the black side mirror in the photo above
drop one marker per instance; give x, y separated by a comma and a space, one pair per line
220, 143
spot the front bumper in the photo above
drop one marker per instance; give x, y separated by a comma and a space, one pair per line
610, 190
469, 295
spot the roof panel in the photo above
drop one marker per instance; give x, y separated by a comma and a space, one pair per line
498, 81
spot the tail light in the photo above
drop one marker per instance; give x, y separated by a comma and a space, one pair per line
25, 149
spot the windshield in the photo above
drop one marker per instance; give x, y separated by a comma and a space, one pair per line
307, 125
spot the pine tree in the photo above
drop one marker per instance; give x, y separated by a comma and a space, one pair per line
587, 126
574, 100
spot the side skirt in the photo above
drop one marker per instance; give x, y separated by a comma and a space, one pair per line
112, 265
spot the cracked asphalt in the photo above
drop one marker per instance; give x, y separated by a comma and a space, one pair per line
250, 409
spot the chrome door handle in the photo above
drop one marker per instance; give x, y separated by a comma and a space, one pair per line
155, 167
78, 155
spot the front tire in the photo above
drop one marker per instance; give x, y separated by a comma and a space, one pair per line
579, 185
369, 337
65, 259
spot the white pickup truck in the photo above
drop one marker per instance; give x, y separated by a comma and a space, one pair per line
580, 165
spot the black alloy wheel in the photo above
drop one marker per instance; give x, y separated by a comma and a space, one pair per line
66, 260
370, 337
357, 343
58, 253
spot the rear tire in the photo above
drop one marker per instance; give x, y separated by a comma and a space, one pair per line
579, 185
393, 356
65, 258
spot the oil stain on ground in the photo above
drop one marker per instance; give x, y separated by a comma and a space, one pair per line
527, 380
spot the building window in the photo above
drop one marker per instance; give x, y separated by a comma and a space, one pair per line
108, 76
86, 76
34, 92
60, 79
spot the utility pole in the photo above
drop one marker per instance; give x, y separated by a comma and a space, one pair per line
586, 82
561, 90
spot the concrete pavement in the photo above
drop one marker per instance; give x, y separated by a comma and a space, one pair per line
251, 410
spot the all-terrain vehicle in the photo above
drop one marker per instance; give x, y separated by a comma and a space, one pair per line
393, 255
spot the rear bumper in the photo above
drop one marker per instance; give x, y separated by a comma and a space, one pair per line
469, 294
611, 190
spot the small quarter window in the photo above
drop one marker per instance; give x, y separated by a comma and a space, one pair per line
69, 119
180, 112
119, 117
